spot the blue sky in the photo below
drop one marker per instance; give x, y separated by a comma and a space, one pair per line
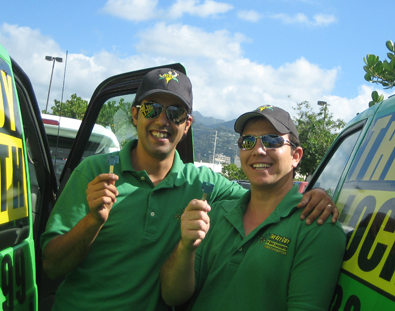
238, 54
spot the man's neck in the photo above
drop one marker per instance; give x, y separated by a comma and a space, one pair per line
157, 169
262, 203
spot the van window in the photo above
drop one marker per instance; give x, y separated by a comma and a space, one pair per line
61, 133
330, 176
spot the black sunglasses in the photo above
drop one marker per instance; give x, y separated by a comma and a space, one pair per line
152, 110
270, 141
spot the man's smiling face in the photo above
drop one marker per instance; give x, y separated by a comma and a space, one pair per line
159, 137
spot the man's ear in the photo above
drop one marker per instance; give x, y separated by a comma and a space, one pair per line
297, 156
135, 113
188, 124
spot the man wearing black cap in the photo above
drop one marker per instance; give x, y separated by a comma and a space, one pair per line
111, 233
254, 253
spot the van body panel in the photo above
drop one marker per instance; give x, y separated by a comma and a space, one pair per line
363, 188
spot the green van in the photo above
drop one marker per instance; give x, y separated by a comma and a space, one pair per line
359, 172
30, 182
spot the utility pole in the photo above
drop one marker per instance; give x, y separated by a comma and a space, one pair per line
215, 144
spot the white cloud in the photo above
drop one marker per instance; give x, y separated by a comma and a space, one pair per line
141, 10
225, 83
134, 10
301, 18
177, 40
251, 15
193, 7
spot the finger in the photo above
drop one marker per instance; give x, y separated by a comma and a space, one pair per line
198, 205
104, 178
335, 215
304, 203
323, 211
191, 216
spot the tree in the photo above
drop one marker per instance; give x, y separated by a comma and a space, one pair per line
380, 72
231, 172
317, 131
74, 108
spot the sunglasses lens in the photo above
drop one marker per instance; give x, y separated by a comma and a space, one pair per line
268, 141
272, 141
246, 142
151, 110
176, 114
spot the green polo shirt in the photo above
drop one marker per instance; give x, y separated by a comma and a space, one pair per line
283, 264
121, 270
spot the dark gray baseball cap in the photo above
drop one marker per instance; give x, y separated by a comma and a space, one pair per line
168, 81
279, 118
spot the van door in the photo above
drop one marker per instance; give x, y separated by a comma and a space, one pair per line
26, 197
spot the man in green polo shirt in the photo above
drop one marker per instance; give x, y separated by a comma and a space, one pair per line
111, 233
254, 253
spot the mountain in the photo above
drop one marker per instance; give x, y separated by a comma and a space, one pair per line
228, 125
206, 121
205, 129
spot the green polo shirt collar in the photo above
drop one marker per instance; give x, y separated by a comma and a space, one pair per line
234, 213
175, 177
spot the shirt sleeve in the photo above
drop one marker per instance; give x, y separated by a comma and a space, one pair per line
69, 209
316, 267
225, 189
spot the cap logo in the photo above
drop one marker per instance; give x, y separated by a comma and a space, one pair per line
169, 76
261, 108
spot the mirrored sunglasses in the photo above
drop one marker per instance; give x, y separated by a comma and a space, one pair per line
152, 110
271, 141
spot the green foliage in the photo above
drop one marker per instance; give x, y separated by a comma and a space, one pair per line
380, 72
231, 172
75, 108
317, 131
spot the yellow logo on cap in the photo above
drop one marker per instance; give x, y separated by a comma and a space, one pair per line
169, 76
265, 107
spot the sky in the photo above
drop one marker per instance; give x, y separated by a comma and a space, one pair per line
239, 55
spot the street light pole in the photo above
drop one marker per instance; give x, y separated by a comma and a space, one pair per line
53, 59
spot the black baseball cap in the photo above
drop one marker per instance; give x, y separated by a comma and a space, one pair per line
168, 81
279, 118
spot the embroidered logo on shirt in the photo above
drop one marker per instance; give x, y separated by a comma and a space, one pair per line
276, 243
179, 213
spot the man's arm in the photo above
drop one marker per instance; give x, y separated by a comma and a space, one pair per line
178, 274
65, 252
319, 204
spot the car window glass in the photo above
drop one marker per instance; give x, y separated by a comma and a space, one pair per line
333, 170
112, 130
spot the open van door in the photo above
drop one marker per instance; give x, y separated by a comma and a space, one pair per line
109, 108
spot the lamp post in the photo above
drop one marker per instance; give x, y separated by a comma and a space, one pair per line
51, 59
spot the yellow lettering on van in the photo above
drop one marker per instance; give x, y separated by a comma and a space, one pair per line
381, 156
7, 83
373, 252
13, 184
380, 124
2, 111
